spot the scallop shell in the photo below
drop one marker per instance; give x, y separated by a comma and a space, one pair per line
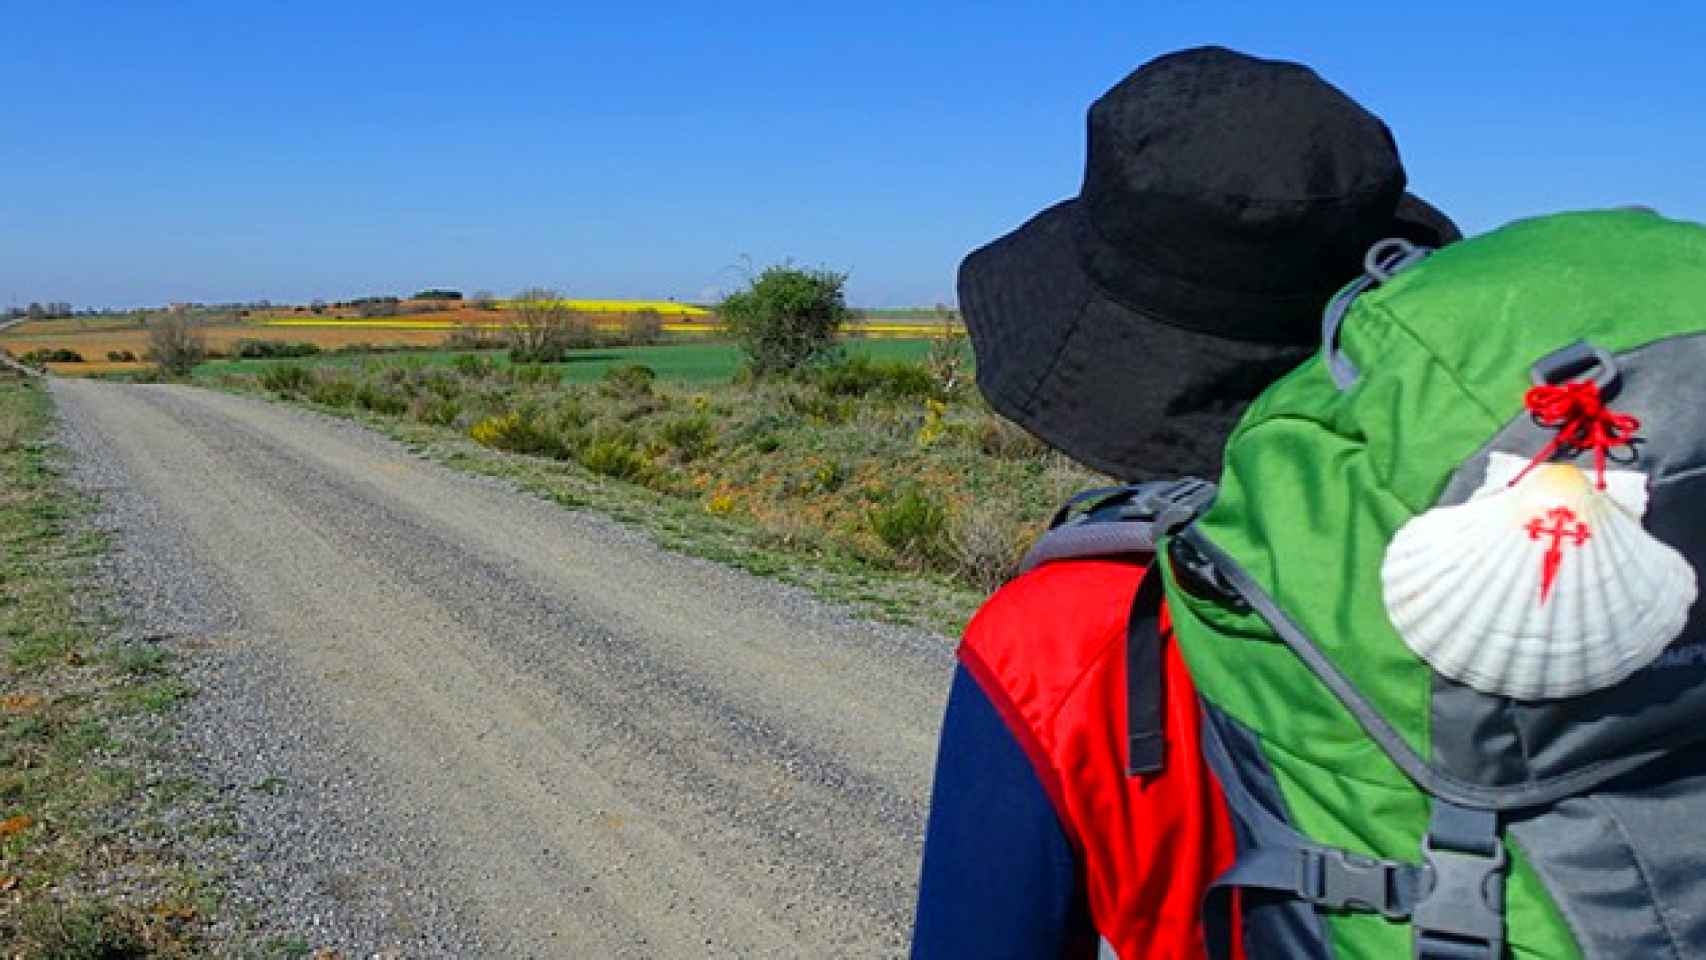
1548, 588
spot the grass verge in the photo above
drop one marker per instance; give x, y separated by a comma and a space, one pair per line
882, 483
83, 872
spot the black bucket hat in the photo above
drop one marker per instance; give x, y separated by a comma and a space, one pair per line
1225, 199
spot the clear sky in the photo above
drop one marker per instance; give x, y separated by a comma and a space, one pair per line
289, 150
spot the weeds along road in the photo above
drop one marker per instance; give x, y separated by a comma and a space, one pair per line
607, 749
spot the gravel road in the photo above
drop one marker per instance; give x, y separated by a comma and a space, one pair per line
451, 719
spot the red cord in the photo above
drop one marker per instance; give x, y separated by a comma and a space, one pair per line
1582, 420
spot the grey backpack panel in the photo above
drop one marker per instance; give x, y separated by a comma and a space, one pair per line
1273, 925
1626, 863
1500, 742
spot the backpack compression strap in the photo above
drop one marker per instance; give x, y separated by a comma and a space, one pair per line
1126, 521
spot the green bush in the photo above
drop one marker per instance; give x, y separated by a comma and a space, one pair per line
36, 358
571, 411
629, 380
615, 457
380, 398
332, 391
912, 525
268, 349
286, 378
690, 437
822, 407
518, 432
859, 375
436, 410
786, 318
440, 383
473, 366
121, 356
536, 375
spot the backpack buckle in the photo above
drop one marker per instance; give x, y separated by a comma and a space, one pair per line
1461, 913
1179, 503
1341, 880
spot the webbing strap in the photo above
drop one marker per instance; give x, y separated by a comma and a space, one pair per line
1279, 858
1145, 723
1461, 915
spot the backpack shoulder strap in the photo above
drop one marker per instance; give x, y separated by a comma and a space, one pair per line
1118, 521
1127, 521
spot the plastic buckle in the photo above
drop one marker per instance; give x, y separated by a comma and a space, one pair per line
1461, 910
1180, 502
1339, 880
1199, 577
1578, 359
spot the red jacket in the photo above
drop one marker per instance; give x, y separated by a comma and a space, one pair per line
1047, 651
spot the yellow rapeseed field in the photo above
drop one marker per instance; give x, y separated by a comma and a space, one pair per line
668, 308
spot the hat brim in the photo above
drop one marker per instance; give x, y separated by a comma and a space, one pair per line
1117, 389
1419, 221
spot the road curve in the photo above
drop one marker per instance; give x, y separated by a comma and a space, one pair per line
623, 752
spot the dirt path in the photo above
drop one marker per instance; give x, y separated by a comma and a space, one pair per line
611, 750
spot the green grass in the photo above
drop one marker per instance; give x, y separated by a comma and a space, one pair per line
676, 363
71, 761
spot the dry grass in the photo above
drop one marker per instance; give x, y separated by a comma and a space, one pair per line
13, 427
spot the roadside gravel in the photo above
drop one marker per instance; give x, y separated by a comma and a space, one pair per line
448, 719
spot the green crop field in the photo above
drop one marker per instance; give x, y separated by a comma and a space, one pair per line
679, 363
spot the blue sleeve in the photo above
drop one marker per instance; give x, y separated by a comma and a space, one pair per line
1000, 878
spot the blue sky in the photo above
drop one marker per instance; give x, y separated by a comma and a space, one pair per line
213, 151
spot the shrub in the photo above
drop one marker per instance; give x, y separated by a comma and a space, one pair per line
536, 375
642, 327
175, 343
786, 318
986, 543
542, 328
437, 410
286, 378
472, 366
61, 355
13, 426
690, 437
380, 398
333, 390
121, 356
267, 349
1000, 437
615, 457
912, 525
628, 380
821, 407
516, 431
859, 375
473, 336
947, 360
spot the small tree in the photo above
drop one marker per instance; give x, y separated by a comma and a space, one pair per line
786, 318
542, 328
175, 343
483, 300
642, 327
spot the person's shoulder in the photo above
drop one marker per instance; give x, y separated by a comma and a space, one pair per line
1036, 637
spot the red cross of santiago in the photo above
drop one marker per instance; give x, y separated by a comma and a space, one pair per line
1564, 527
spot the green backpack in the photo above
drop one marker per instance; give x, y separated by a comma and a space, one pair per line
1440, 612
